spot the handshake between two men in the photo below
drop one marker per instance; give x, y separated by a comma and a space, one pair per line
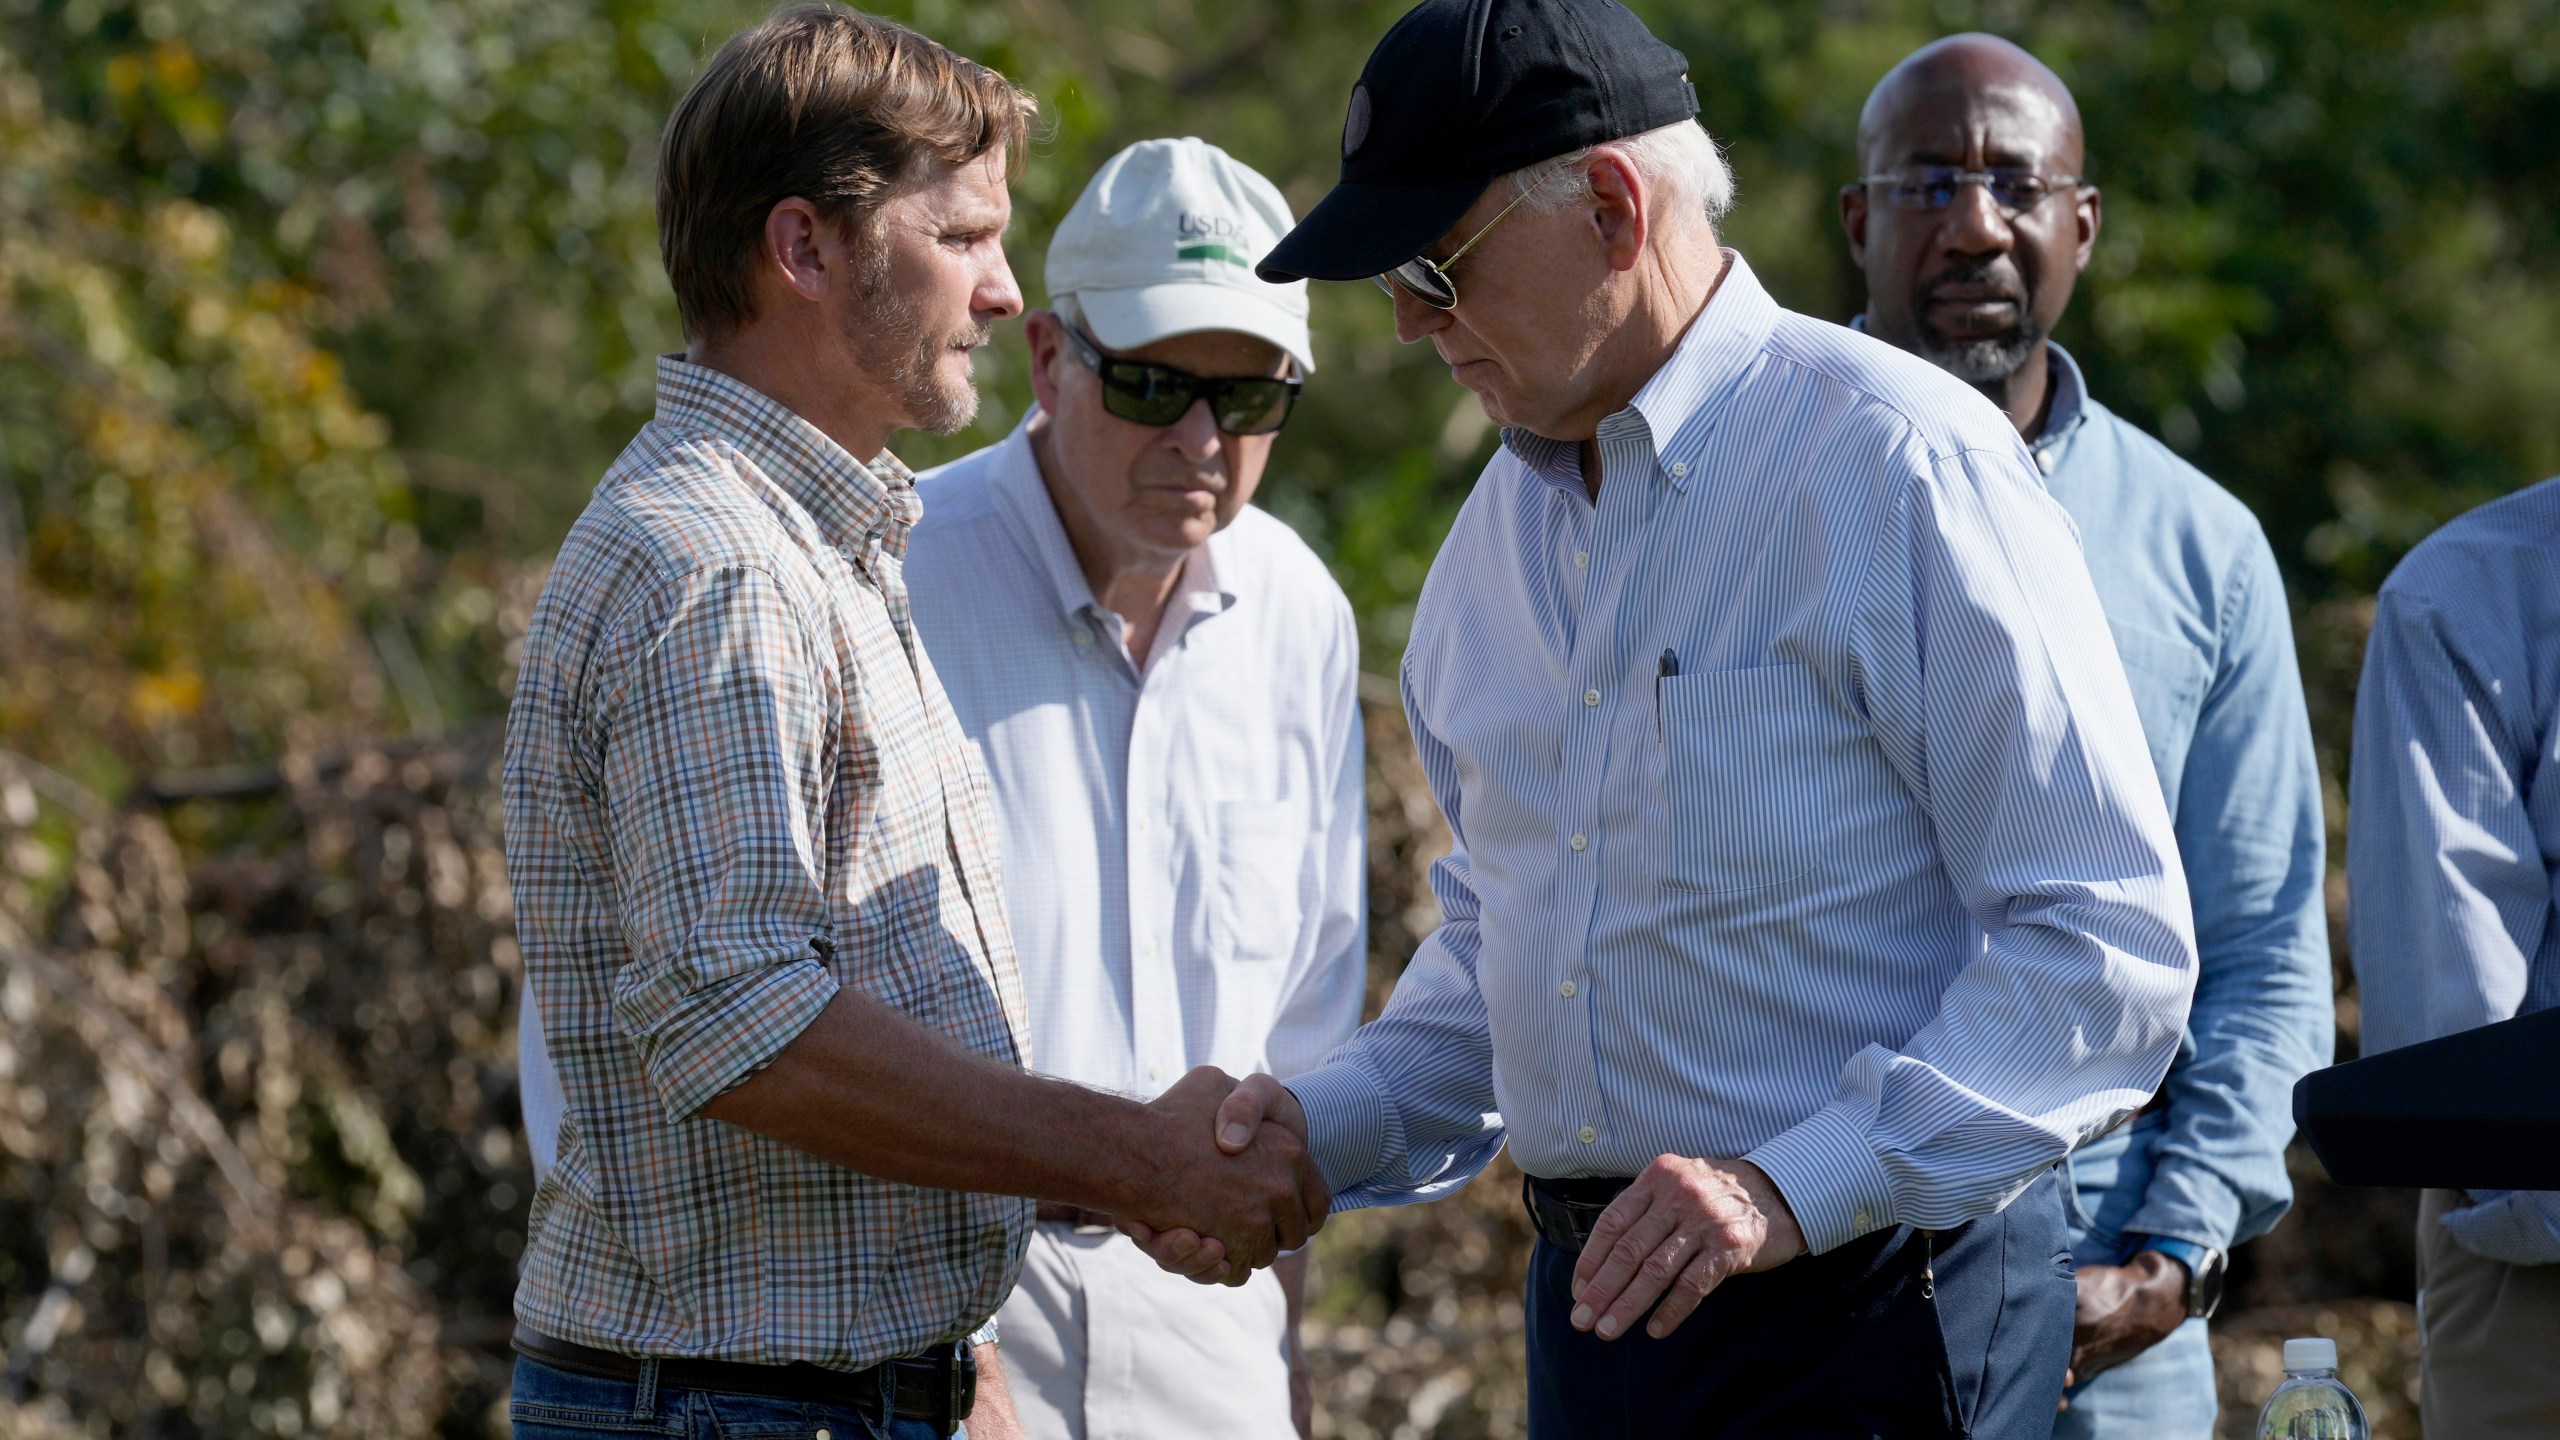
1663, 1245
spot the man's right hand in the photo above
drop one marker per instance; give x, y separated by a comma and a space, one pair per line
1252, 1119
1225, 1210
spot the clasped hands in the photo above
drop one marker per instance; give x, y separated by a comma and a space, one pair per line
1680, 1230
1226, 1196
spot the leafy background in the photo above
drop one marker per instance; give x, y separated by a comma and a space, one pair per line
318, 318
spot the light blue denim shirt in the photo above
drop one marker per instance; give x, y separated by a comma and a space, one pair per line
2453, 851
2198, 610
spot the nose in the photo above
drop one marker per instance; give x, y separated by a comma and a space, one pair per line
1975, 224
1415, 320
1196, 436
998, 297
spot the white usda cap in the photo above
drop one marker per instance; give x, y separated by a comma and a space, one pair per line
2311, 1354
1163, 242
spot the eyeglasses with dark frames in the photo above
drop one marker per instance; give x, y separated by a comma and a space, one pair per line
1427, 280
2016, 189
1160, 395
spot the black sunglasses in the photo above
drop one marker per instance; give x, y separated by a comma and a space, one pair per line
1159, 395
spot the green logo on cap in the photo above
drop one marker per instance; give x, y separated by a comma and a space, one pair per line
1213, 251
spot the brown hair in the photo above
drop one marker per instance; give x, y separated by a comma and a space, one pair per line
824, 103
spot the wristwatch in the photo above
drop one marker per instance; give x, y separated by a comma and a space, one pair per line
2205, 1267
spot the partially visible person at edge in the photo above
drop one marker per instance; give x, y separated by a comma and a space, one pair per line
2453, 911
754, 870
1164, 681
1972, 223
1812, 894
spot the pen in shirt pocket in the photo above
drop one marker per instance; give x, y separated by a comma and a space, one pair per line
1667, 667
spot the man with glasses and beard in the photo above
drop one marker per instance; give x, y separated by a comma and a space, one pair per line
1811, 895
1163, 680
1972, 224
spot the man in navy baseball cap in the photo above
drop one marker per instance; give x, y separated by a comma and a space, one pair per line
1462, 92
1812, 893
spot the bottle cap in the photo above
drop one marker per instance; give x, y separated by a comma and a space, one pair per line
2313, 1354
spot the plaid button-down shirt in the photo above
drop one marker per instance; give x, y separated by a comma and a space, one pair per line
733, 784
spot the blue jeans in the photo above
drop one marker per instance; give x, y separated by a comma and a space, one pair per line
553, 1404
2167, 1391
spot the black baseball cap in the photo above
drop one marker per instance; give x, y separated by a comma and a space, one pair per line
1461, 92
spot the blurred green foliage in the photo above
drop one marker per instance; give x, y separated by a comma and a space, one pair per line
318, 318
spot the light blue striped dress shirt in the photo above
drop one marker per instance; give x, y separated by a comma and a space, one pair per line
2453, 835
1184, 838
1877, 890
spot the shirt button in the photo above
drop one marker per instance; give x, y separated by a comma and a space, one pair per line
1679, 468
1590, 697
1083, 638
1566, 989
824, 1434
1147, 947
1155, 1072
1864, 1220
1581, 559
1581, 842
1586, 1135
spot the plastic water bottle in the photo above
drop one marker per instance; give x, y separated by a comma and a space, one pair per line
2311, 1404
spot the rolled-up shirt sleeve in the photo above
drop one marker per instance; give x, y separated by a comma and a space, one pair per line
1988, 675
713, 752
1405, 1110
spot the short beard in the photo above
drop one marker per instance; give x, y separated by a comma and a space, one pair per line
893, 346
1984, 361
1987, 359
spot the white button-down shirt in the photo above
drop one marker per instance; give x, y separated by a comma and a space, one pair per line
1183, 831
1858, 869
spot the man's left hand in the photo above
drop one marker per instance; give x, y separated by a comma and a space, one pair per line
2125, 1310
1674, 1235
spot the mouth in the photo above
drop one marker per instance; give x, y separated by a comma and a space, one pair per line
1972, 307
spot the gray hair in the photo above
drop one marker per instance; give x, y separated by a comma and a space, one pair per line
1680, 161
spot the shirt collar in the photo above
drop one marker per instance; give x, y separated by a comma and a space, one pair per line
2066, 406
1675, 410
849, 501
1034, 517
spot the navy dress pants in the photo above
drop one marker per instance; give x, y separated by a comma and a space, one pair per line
1900, 1333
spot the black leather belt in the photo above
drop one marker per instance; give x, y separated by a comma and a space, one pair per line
1051, 1212
1565, 1210
940, 1388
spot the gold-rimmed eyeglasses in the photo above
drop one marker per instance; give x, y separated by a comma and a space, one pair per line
1427, 280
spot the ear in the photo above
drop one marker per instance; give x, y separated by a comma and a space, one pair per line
1042, 332
2088, 212
1620, 207
1853, 220
799, 248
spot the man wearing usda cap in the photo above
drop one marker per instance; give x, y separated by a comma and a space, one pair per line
1812, 893
1163, 681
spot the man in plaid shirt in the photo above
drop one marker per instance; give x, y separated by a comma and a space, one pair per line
753, 858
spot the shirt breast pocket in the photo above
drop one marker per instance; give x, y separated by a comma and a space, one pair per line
1260, 846
1739, 809
2168, 677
